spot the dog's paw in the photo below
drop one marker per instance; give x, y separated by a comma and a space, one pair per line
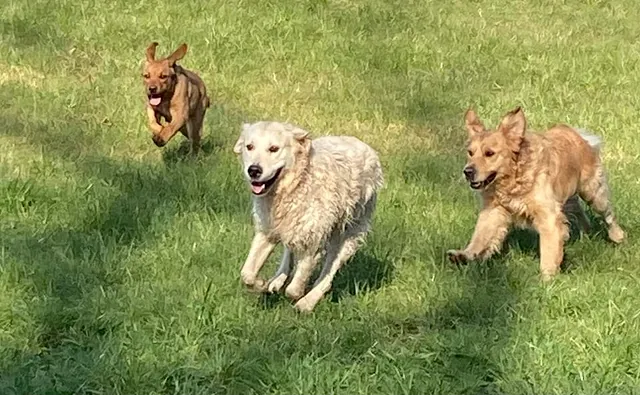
252, 282
276, 283
293, 292
159, 141
547, 276
616, 234
457, 256
305, 305
260, 286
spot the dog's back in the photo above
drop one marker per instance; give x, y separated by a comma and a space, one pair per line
197, 91
338, 187
574, 158
353, 162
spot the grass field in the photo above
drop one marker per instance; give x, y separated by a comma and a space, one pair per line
119, 261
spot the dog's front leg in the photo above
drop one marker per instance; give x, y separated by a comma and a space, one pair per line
261, 248
553, 232
178, 119
154, 125
491, 229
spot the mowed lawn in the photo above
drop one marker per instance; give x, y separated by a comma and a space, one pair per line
120, 261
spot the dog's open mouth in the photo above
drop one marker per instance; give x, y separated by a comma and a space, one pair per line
485, 183
261, 187
155, 99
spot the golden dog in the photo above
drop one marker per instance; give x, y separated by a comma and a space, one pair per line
175, 94
533, 180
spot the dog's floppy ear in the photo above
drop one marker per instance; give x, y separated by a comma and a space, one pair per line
513, 126
300, 139
473, 123
151, 51
177, 54
237, 148
298, 133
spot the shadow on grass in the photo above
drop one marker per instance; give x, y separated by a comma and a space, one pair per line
460, 341
419, 93
362, 273
179, 147
37, 29
467, 332
180, 150
77, 268
528, 240
74, 268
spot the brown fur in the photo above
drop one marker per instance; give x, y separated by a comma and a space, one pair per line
182, 96
537, 179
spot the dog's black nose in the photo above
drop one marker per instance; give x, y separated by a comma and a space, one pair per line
153, 89
254, 171
469, 173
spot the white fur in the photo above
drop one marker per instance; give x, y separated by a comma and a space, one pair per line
594, 141
321, 204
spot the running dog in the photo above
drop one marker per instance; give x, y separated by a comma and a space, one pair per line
175, 94
316, 197
531, 179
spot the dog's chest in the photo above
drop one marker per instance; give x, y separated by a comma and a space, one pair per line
520, 211
162, 111
290, 224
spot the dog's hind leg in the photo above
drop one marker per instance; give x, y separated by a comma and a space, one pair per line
573, 210
595, 191
341, 247
282, 273
194, 132
336, 258
304, 268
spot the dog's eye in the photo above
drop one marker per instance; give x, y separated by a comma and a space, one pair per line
274, 149
249, 147
163, 76
489, 153
146, 75
470, 153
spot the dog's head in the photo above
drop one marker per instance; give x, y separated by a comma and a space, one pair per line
160, 75
490, 153
268, 150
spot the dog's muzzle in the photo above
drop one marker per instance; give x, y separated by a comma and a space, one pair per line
254, 171
261, 187
482, 184
469, 173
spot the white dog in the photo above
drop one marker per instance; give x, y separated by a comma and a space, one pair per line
315, 196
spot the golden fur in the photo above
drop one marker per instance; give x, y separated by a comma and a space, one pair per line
533, 180
175, 94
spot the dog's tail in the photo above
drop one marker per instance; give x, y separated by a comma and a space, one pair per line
594, 141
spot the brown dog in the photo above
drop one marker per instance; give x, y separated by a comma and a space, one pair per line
533, 180
175, 94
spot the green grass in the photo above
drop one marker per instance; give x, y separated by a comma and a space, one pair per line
119, 262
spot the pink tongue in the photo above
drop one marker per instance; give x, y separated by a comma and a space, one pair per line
154, 101
257, 188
